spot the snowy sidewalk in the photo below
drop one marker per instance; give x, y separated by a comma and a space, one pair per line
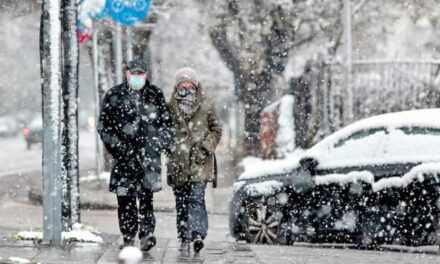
166, 251
216, 252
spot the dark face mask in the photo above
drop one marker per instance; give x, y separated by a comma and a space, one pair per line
184, 92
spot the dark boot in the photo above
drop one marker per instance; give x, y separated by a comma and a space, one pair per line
127, 243
184, 246
198, 244
148, 243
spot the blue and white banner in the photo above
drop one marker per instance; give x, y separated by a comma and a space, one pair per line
127, 12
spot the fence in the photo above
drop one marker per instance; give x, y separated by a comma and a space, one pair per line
378, 87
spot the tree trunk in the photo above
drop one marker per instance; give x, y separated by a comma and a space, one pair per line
70, 106
50, 58
256, 95
302, 110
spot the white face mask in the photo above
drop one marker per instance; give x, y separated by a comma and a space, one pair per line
136, 82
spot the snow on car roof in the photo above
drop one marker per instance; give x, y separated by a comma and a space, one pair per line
257, 167
422, 118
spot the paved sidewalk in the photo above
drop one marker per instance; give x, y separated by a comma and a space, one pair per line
166, 251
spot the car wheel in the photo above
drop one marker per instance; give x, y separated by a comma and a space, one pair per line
263, 223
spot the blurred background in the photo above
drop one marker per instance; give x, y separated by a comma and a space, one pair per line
340, 64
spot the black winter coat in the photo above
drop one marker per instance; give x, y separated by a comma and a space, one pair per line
135, 127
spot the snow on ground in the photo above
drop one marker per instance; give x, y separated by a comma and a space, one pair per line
130, 255
18, 260
79, 233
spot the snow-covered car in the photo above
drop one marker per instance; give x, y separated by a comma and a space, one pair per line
375, 181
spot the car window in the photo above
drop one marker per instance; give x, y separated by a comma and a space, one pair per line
413, 144
420, 131
359, 135
360, 148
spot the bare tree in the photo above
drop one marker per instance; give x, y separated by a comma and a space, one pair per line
253, 38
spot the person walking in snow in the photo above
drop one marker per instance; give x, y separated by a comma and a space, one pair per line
192, 165
135, 127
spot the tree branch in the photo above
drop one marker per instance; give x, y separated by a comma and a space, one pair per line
359, 6
224, 47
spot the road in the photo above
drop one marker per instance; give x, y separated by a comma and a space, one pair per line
16, 159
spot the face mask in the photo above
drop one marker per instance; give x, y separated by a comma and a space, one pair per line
187, 107
136, 82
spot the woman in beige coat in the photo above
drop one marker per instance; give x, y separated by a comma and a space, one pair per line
192, 164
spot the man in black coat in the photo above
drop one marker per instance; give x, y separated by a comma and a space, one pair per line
135, 127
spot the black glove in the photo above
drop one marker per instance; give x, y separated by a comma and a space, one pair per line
199, 154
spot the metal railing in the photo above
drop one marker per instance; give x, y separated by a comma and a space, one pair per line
377, 87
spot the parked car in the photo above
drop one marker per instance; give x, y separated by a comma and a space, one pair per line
33, 133
373, 182
8, 126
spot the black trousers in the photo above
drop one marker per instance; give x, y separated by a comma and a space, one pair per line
133, 219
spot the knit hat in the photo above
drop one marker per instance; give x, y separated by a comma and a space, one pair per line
187, 74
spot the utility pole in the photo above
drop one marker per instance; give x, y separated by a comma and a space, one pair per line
129, 44
348, 63
50, 59
70, 136
96, 69
118, 52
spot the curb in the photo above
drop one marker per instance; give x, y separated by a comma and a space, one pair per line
433, 250
36, 198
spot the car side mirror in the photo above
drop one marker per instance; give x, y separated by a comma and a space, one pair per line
309, 163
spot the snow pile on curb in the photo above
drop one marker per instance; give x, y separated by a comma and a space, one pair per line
79, 233
29, 235
18, 260
130, 255
82, 233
